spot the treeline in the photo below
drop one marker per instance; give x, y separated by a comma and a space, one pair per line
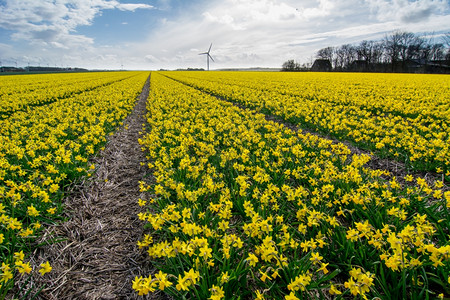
397, 52
6, 69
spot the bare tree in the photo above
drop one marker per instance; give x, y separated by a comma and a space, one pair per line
407, 45
446, 42
396, 48
339, 58
392, 47
344, 56
325, 53
425, 52
378, 52
365, 51
437, 52
402, 46
446, 39
350, 54
290, 66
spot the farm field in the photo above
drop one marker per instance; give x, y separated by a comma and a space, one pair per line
245, 206
395, 115
19, 93
46, 139
236, 205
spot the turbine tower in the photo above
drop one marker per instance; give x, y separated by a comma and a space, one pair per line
208, 56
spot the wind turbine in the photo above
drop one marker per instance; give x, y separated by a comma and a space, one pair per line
208, 56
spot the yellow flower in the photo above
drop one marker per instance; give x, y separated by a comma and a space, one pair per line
19, 256
352, 235
409, 178
189, 278
352, 286
26, 232
323, 268
300, 282
259, 296
32, 211
182, 284
224, 278
205, 252
362, 284
447, 198
23, 267
263, 276
217, 292
315, 258
45, 268
334, 290
162, 280
291, 296
53, 188
414, 262
6, 273
437, 194
144, 285
252, 259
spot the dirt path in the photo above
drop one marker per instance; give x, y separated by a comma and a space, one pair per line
99, 258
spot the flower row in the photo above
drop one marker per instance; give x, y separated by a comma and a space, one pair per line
245, 207
42, 151
21, 92
406, 117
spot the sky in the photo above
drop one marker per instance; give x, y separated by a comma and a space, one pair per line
170, 34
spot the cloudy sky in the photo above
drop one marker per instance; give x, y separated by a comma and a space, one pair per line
153, 34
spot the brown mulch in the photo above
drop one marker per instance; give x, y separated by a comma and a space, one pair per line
99, 257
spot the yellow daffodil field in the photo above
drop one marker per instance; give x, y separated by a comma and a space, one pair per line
246, 208
396, 115
236, 205
49, 127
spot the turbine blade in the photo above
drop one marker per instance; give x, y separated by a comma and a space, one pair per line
211, 57
209, 48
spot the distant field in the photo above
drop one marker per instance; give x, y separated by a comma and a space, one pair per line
402, 116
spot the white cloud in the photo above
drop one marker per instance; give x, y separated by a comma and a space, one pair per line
266, 32
247, 14
325, 8
54, 22
406, 11
151, 59
133, 7
248, 32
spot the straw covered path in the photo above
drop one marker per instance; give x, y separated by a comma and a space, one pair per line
99, 257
